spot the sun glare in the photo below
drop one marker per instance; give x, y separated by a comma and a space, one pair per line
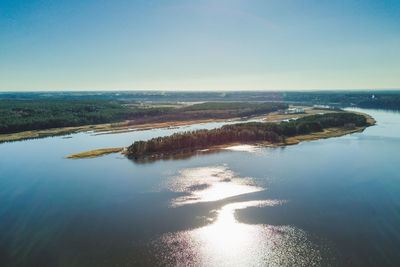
227, 241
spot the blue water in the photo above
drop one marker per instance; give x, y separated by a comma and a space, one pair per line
334, 201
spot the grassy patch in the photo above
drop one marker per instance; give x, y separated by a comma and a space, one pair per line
95, 153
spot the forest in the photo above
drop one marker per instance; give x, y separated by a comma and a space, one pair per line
18, 115
243, 132
23, 115
381, 102
363, 99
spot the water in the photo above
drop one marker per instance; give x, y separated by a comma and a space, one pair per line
327, 202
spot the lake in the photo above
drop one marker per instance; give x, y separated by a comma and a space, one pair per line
326, 202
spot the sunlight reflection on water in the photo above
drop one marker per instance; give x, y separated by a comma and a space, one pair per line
208, 184
226, 241
245, 148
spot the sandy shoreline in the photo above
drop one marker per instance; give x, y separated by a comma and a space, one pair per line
95, 153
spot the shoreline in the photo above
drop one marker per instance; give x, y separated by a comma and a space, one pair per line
326, 133
101, 129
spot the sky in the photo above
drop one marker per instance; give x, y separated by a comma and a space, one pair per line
199, 45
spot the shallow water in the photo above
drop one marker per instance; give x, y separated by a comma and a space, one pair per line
334, 201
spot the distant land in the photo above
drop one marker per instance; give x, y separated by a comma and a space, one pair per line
385, 99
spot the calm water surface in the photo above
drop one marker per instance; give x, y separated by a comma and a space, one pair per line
326, 202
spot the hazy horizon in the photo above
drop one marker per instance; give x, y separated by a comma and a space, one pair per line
199, 45
205, 90
200, 90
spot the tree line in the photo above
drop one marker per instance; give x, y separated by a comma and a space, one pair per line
364, 99
240, 108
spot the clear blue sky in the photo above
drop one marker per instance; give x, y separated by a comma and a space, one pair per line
194, 45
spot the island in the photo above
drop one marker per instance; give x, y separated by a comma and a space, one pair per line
266, 133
